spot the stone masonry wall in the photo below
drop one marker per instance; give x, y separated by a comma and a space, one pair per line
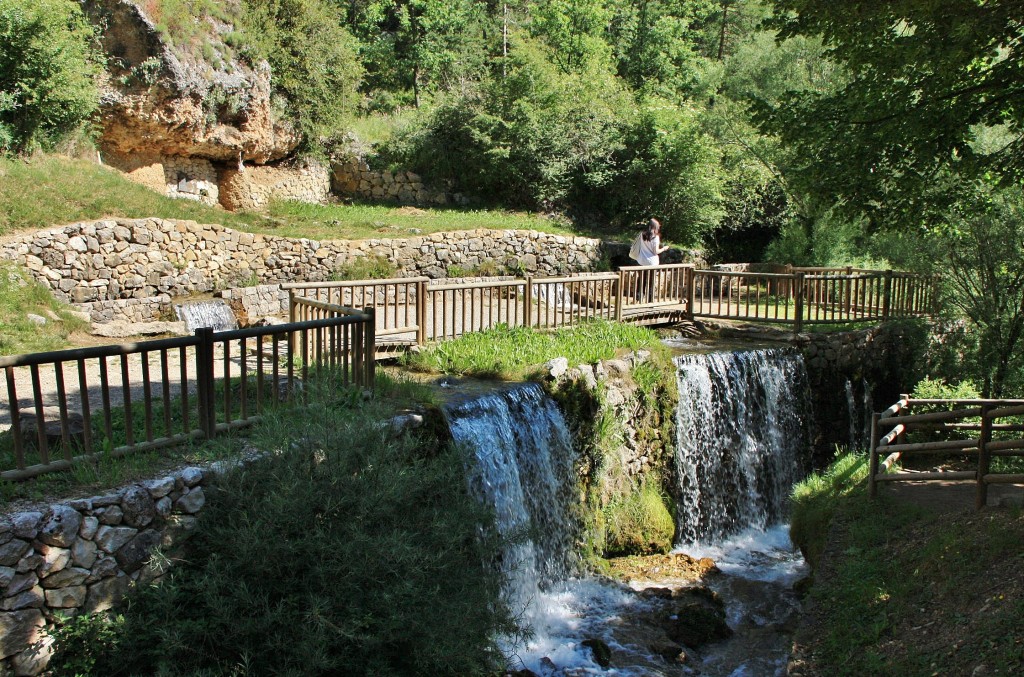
253, 188
355, 179
130, 269
181, 177
82, 556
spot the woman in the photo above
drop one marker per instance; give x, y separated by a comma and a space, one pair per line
648, 247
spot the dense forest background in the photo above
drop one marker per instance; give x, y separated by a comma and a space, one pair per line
799, 131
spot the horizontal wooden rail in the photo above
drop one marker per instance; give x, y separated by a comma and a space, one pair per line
891, 428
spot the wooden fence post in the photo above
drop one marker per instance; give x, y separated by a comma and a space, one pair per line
799, 301
887, 295
370, 335
691, 293
421, 312
981, 498
204, 382
619, 295
528, 302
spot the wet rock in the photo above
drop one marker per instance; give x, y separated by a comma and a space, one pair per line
601, 651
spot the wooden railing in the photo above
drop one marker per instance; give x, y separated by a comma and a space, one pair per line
823, 296
418, 310
71, 406
972, 431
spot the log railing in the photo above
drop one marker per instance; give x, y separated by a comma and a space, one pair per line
71, 406
972, 431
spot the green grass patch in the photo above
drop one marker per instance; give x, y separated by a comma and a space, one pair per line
361, 222
51, 190
815, 498
22, 296
908, 590
505, 352
639, 523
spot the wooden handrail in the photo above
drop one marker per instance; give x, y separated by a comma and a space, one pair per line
983, 414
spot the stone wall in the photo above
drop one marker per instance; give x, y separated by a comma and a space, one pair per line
354, 178
252, 188
82, 556
852, 373
130, 269
188, 178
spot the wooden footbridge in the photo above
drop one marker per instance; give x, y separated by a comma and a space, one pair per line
417, 310
70, 406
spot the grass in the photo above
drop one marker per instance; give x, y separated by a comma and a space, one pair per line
908, 590
51, 190
508, 353
21, 296
361, 222
391, 394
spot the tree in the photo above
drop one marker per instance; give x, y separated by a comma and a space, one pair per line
982, 240
925, 77
48, 62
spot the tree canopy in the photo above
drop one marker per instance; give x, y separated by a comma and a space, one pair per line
924, 77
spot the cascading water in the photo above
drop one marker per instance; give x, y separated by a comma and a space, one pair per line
522, 465
214, 313
741, 438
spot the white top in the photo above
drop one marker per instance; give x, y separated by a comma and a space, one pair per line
648, 251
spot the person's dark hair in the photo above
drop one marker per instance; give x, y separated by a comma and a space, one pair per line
652, 229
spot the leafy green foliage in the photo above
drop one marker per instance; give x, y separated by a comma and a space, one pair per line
48, 70
349, 551
314, 61
925, 77
371, 267
82, 641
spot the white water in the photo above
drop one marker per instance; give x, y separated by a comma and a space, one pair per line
741, 438
214, 313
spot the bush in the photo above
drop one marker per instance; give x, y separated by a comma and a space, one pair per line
48, 62
351, 552
314, 61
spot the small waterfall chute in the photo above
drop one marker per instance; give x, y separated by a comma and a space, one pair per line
213, 313
741, 439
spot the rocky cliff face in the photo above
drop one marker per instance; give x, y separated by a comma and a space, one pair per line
196, 99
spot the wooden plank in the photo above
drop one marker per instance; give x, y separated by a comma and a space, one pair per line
926, 476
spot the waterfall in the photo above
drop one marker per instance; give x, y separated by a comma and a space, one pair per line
215, 313
521, 464
741, 440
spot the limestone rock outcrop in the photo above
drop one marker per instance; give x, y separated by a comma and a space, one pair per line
198, 100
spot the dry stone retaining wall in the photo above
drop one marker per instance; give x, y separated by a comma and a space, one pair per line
131, 269
354, 178
82, 556
252, 188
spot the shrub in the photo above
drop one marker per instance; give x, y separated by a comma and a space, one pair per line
349, 552
48, 62
313, 58
370, 267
